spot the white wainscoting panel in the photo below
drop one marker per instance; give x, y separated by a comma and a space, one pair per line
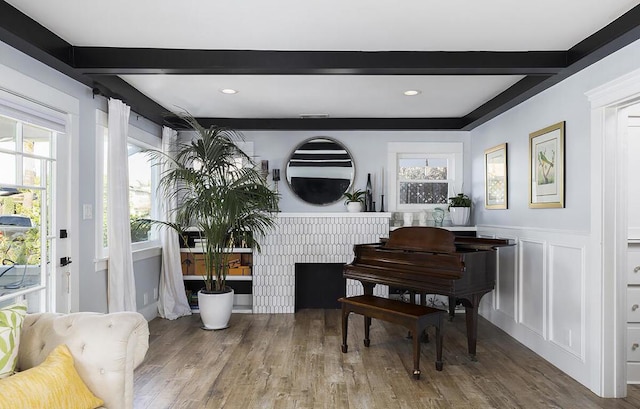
507, 280
567, 297
532, 284
544, 279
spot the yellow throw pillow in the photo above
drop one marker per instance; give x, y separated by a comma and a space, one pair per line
54, 384
11, 319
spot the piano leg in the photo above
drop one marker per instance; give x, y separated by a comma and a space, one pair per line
345, 326
368, 290
452, 308
471, 312
367, 326
416, 352
439, 344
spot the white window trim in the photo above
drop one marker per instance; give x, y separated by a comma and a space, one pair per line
141, 250
452, 150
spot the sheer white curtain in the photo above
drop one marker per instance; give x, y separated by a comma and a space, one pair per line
172, 302
121, 283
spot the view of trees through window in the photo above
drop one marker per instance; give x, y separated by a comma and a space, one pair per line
19, 232
140, 191
423, 180
25, 178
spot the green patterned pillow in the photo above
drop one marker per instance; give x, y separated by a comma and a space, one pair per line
11, 319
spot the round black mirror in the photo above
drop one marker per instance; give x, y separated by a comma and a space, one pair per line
320, 170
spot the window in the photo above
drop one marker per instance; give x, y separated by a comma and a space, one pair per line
423, 175
143, 180
27, 160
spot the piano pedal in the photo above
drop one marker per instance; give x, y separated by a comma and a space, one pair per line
416, 374
424, 339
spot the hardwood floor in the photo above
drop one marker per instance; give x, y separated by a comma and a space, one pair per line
294, 361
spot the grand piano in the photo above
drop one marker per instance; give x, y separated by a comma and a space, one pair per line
430, 260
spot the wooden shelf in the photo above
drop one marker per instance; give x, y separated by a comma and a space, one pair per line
239, 258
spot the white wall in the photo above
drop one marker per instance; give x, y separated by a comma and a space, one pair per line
544, 286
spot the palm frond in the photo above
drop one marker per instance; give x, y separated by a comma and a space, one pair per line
215, 195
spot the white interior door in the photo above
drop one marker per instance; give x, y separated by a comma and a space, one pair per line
61, 234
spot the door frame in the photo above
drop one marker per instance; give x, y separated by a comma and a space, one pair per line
27, 88
609, 228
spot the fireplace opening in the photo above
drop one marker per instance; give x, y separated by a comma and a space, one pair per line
319, 285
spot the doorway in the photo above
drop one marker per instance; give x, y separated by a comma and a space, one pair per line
610, 105
33, 199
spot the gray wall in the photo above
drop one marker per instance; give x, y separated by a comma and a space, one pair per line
563, 102
369, 149
92, 284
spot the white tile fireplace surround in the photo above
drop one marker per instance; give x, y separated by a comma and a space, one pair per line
310, 238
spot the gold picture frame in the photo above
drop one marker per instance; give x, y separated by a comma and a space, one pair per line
495, 177
546, 167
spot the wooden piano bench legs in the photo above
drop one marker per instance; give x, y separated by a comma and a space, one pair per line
414, 317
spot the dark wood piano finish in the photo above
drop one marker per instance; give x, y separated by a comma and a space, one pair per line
431, 260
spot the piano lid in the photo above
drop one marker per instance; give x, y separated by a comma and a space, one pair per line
437, 240
432, 239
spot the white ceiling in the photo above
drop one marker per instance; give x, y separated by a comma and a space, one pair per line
349, 25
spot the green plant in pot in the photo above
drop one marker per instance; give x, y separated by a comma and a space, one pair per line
224, 201
355, 200
460, 209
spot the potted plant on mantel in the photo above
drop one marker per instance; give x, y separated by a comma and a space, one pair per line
460, 209
355, 200
222, 201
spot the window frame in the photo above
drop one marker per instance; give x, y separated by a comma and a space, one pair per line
145, 140
452, 151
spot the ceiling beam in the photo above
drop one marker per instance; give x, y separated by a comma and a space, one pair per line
512, 96
25, 34
618, 34
326, 124
115, 87
123, 61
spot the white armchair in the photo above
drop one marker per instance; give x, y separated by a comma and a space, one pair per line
106, 348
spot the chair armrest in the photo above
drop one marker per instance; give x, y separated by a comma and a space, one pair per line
106, 348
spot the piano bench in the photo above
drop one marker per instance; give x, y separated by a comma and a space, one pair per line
412, 316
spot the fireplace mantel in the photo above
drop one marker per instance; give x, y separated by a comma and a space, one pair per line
310, 238
341, 215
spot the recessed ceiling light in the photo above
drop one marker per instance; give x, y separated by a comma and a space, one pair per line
228, 91
411, 92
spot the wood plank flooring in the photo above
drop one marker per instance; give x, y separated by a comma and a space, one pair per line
287, 361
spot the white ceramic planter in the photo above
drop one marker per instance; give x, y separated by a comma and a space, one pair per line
215, 309
354, 207
459, 215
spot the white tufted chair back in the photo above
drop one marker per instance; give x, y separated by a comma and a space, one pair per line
106, 349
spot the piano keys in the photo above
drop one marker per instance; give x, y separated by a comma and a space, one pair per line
430, 260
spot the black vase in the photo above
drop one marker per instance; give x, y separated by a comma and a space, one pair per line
368, 202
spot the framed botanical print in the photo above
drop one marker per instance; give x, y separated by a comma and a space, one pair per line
546, 167
495, 177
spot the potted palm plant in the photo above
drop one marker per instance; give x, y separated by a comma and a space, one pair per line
224, 201
460, 209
